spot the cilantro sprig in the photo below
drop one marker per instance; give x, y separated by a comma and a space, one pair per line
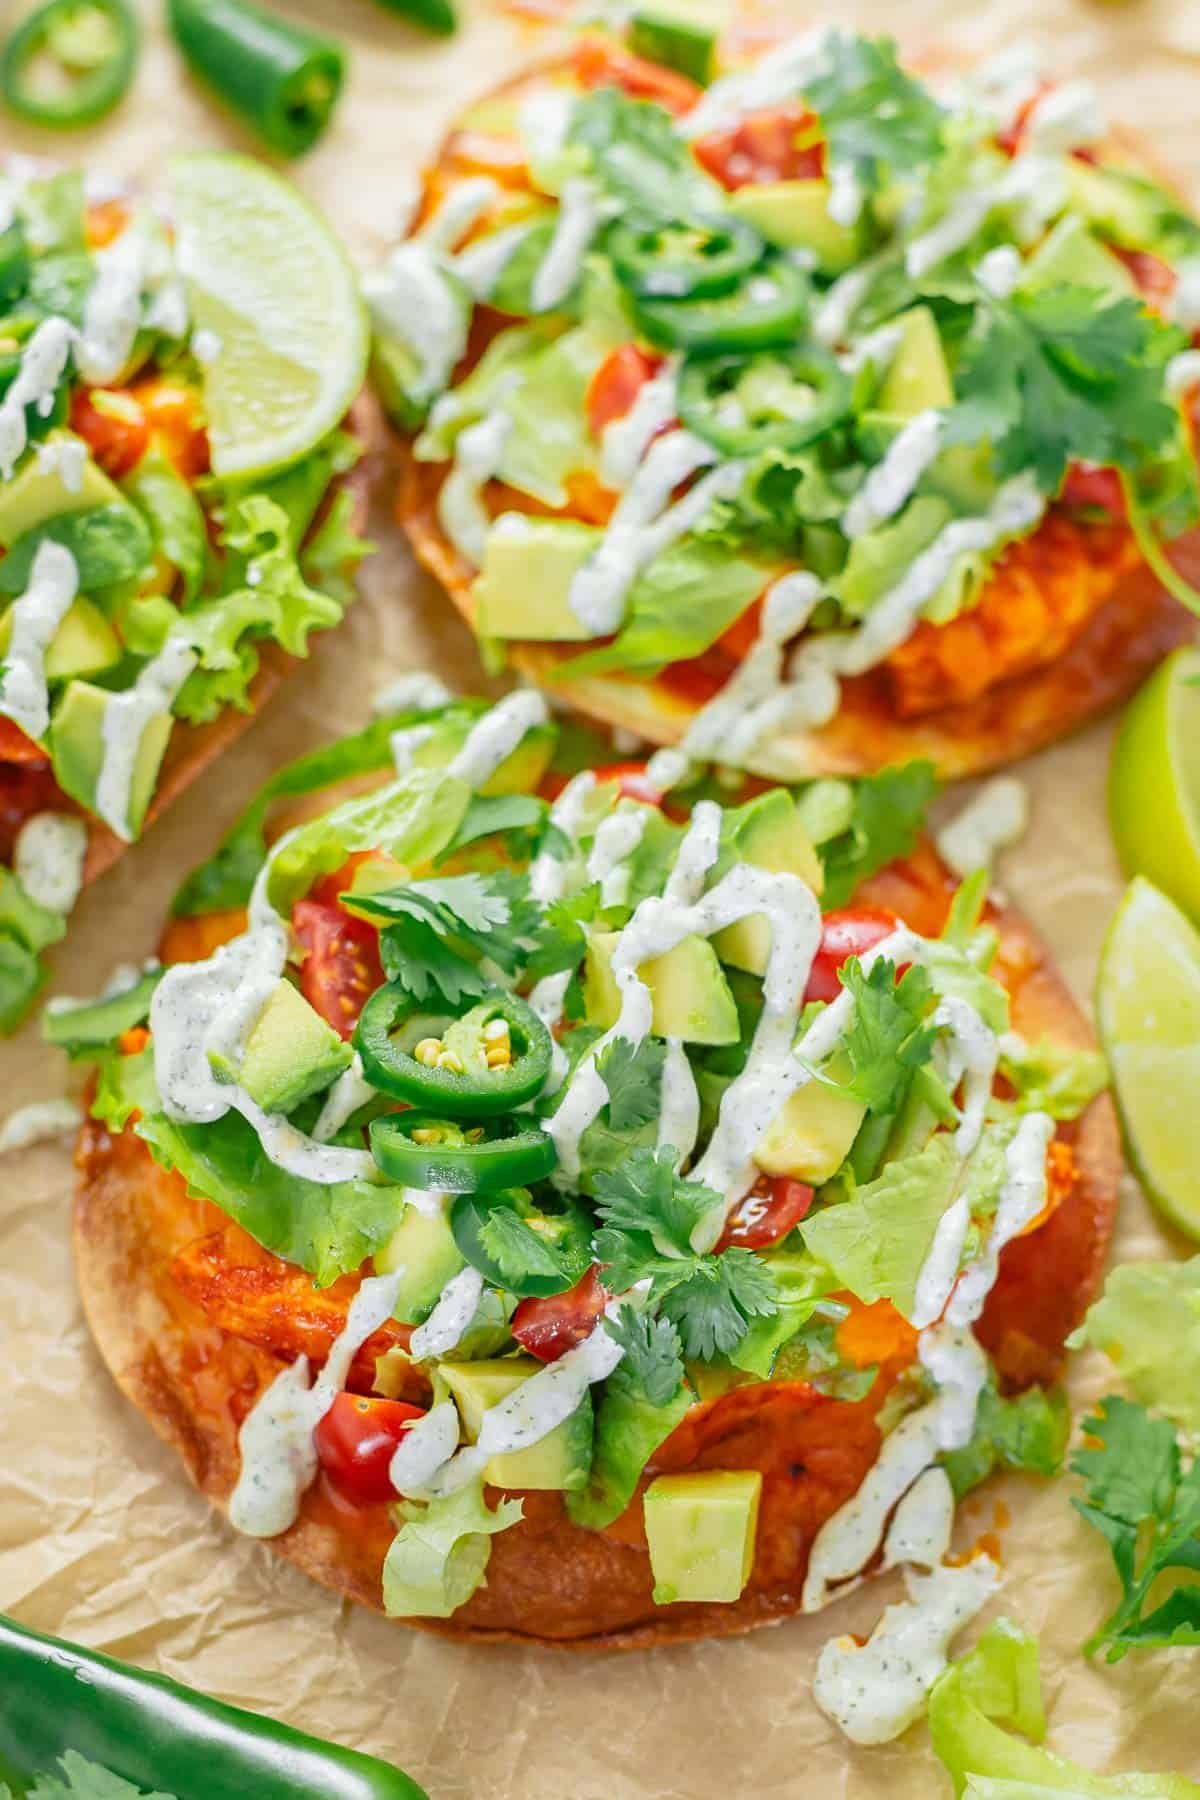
874, 116
889, 1036
888, 814
438, 932
653, 1352
1145, 1503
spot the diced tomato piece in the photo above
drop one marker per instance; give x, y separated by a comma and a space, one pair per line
849, 931
356, 1441
738, 639
117, 438
632, 781
772, 1207
698, 678
341, 967
1088, 485
25, 789
772, 145
330, 886
175, 415
617, 383
15, 747
601, 63
1156, 280
549, 1328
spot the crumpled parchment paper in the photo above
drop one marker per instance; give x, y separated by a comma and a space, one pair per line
101, 1538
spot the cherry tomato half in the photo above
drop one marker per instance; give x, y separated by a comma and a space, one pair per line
774, 1204
341, 967
15, 747
850, 931
549, 1328
356, 1441
617, 383
117, 438
1088, 485
775, 144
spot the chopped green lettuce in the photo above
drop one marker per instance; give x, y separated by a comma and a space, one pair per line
550, 439
440, 1554
1147, 1322
505, 361
174, 515
1060, 1079
629, 1429
887, 816
1026, 1432
879, 558
877, 1240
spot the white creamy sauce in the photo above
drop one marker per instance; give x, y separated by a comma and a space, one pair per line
543, 120
349, 1092
206, 346
548, 1000
973, 1052
48, 859
541, 1404
126, 716
1183, 372
483, 261
642, 524
113, 309
939, 1271
296, 1154
878, 348
756, 700
37, 1123
279, 1459
477, 454
580, 216
679, 1102
1021, 1200
429, 1442
627, 439
1185, 301
123, 977
550, 875
890, 483
36, 616
1034, 187
1000, 86
875, 1691
831, 323
450, 1319
405, 743
922, 1523
65, 457
419, 691
167, 310
411, 298
460, 212
777, 77
667, 769
995, 817
1000, 270
846, 194
1065, 118
493, 740
615, 841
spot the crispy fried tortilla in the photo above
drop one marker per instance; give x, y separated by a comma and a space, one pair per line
156, 1268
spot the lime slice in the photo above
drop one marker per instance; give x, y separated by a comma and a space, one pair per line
1154, 782
270, 283
1148, 1008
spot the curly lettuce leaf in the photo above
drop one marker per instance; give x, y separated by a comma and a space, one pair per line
1147, 1322
1060, 1079
877, 1240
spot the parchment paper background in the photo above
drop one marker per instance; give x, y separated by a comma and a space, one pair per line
100, 1537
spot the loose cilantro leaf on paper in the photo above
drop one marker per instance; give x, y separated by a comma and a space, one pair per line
1146, 1505
633, 1076
1062, 374
873, 115
653, 1355
888, 1037
889, 813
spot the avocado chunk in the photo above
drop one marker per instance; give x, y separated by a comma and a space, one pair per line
919, 376
1123, 206
795, 216
560, 1462
528, 567
1072, 254
521, 772
38, 492
768, 834
290, 1054
84, 644
423, 1246
77, 747
810, 1137
692, 999
674, 37
700, 1532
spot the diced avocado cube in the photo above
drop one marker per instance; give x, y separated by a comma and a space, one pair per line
691, 996
810, 1137
666, 34
290, 1054
560, 1462
38, 492
919, 377
768, 834
84, 644
528, 567
26, 919
1071, 254
77, 748
423, 1246
795, 216
700, 1531
521, 772
1128, 210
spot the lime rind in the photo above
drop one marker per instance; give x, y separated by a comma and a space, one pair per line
1154, 782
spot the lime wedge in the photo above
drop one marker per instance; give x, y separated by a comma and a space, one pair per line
271, 284
1148, 1009
1154, 782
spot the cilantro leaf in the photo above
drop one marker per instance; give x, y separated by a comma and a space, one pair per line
633, 1076
713, 1307
489, 815
515, 1248
648, 1196
1147, 1508
560, 941
873, 115
652, 1352
887, 1039
470, 902
416, 956
888, 815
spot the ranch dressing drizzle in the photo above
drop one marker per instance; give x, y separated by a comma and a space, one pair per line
973, 1054
429, 1442
1185, 301
411, 298
37, 1123
48, 859
878, 347
636, 530
668, 769
550, 875
459, 212
1035, 184
679, 1102
779, 76
893, 479
580, 215
627, 439
1063, 119
405, 743
1021, 1200
756, 701
451, 1318
1183, 372
846, 195
420, 691
1000, 270
615, 841
279, 1459
460, 508
36, 617
290, 1150
922, 1523
67, 458
493, 740
113, 309
482, 262
831, 323
939, 1271
126, 717
993, 818
350, 1091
